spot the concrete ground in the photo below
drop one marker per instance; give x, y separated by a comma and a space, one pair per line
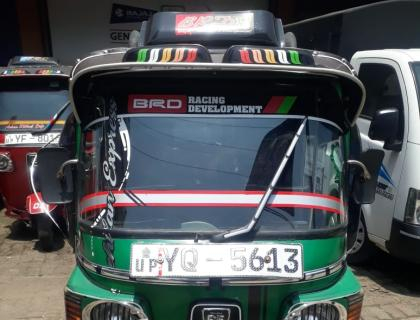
32, 281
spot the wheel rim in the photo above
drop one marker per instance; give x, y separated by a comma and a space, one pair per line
360, 238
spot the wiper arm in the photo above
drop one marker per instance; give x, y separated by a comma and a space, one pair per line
53, 120
263, 202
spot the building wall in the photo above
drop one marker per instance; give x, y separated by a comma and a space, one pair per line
79, 26
390, 24
9, 31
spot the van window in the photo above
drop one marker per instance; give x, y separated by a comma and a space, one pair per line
382, 88
416, 71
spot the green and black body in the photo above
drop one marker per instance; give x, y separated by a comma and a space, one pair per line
210, 178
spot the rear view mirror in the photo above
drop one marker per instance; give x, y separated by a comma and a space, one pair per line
55, 188
364, 185
385, 127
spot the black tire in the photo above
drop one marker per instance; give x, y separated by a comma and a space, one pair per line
363, 249
46, 232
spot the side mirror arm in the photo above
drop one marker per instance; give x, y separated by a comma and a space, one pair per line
366, 174
60, 172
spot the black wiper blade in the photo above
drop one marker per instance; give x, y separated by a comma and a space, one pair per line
264, 199
53, 120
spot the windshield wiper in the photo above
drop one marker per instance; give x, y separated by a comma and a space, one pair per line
53, 120
263, 202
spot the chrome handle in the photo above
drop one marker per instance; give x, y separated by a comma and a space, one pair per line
366, 173
60, 172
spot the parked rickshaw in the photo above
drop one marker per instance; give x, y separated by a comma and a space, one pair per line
211, 175
33, 105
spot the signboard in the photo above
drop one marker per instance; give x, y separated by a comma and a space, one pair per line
124, 19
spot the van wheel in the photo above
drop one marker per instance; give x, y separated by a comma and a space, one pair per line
45, 228
362, 249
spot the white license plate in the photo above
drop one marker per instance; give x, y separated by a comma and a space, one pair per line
28, 138
216, 260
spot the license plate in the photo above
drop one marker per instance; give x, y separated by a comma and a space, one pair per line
28, 138
216, 260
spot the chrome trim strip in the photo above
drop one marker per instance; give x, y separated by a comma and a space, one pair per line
119, 274
410, 235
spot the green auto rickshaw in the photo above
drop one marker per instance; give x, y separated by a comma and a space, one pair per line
209, 171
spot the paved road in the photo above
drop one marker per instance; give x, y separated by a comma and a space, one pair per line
392, 288
32, 281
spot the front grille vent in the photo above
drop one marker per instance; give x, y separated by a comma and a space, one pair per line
319, 311
115, 311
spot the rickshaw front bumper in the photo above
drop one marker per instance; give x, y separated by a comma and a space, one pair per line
87, 300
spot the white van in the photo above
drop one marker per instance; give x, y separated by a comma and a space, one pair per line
391, 114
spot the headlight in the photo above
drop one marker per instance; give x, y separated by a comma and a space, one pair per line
327, 310
412, 208
6, 164
110, 310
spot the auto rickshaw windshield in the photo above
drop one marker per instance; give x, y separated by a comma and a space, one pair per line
208, 173
31, 103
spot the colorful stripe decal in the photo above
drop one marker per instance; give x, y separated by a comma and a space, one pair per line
141, 55
269, 56
282, 56
245, 56
167, 55
280, 104
188, 198
294, 57
179, 54
192, 55
27, 122
287, 104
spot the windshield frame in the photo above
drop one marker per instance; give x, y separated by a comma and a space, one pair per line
127, 232
416, 77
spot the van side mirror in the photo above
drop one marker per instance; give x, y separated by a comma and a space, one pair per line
55, 180
385, 127
366, 175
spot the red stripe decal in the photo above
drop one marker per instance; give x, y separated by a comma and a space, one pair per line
245, 56
215, 192
192, 55
216, 205
273, 104
237, 200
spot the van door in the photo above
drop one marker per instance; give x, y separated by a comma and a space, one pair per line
384, 89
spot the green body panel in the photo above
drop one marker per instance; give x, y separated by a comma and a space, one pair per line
317, 253
162, 302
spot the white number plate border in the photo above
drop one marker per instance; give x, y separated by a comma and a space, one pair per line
229, 260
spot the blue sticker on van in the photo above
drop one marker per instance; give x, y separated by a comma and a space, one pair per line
383, 173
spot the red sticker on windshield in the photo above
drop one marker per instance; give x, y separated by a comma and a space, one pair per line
157, 103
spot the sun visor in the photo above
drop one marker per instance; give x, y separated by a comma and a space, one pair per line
203, 92
215, 29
